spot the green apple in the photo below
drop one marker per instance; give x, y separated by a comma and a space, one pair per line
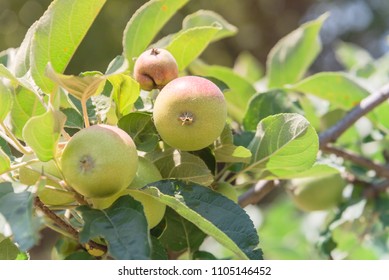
147, 173
317, 193
190, 113
99, 161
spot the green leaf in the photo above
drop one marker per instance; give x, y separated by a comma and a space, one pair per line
342, 90
158, 251
5, 162
213, 213
140, 127
291, 57
73, 118
42, 133
188, 44
248, 66
8, 250
22, 59
116, 225
5, 101
5, 73
284, 144
182, 165
26, 105
240, 90
145, 24
125, 92
180, 234
18, 211
232, 153
339, 88
352, 56
81, 87
265, 104
210, 18
4, 146
58, 34
318, 169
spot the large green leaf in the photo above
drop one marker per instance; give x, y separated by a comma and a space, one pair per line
284, 144
81, 87
6, 73
213, 213
26, 105
140, 126
5, 162
125, 92
188, 44
291, 57
144, 25
210, 18
123, 226
351, 56
5, 101
17, 210
42, 133
57, 35
248, 66
342, 90
265, 104
240, 90
182, 165
232, 153
180, 234
9, 251
22, 59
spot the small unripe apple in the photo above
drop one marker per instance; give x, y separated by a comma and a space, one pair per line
147, 173
190, 113
155, 68
227, 190
99, 161
317, 193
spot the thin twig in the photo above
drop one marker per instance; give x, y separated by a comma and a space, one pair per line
363, 108
65, 226
362, 161
12, 140
376, 189
256, 193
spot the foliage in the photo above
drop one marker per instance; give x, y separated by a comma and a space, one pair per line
273, 134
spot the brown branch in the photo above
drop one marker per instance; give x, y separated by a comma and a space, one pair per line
363, 108
256, 193
367, 163
65, 226
376, 189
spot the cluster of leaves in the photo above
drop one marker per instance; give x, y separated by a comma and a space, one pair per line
271, 134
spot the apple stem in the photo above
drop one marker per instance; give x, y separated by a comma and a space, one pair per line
85, 112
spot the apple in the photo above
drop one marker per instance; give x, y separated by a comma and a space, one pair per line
317, 193
147, 173
155, 68
190, 113
99, 161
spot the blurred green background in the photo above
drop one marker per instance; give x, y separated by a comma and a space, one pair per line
261, 24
